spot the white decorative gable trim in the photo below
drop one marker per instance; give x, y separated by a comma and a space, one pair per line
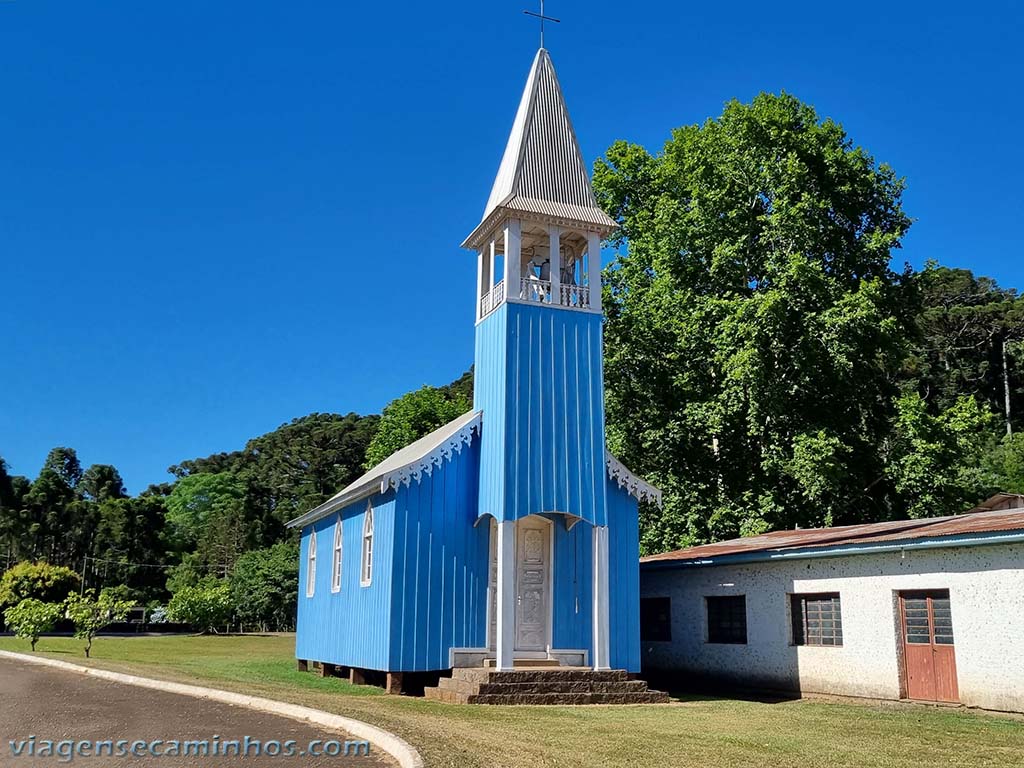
415, 470
635, 487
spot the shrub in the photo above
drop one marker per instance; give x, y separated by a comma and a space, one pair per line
205, 606
31, 618
265, 586
90, 615
41, 581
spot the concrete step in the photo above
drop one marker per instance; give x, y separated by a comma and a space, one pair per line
458, 686
526, 663
564, 699
549, 686
556, 674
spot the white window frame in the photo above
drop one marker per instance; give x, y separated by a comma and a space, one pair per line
336, 561
311, 565
366, 561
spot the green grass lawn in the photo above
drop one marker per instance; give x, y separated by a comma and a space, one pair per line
703, 733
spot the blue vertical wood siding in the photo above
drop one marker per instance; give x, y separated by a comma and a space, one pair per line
350, 627
490, 388
624, 572
441, 567
572, 587
539, 383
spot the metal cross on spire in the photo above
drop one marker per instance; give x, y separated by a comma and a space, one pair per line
542, 18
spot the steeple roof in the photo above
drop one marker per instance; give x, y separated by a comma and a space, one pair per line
542, 171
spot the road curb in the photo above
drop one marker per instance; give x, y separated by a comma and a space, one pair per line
399, 749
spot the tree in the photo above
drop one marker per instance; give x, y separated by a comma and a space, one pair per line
970, 331
41, 581
130, 543
64, 463
413, 415
754, 328
101, 482
1006, 463
31, 618
205, 607
14, 520
91, 615
265, 586
937, 461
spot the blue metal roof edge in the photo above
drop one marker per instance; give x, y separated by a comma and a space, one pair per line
1014, 536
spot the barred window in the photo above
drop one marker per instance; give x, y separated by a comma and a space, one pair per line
336, 562
817, 619
727, 619
656, 618
366, 566
311, 565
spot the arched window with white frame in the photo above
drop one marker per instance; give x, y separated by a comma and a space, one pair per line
336, 561
311, 565
366, 566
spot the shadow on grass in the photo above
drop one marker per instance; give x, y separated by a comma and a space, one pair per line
692, 690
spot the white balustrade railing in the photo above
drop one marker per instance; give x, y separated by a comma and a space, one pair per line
575, 296
535, 289
492, 298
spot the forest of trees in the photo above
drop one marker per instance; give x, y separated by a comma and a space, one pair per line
765, 366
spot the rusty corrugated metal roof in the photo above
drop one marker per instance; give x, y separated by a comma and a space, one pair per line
1002, 512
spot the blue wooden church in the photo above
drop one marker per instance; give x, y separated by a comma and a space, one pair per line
508, 537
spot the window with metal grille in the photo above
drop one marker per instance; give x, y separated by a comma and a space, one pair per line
727, 619
366, 565
336, 562
928, 618
817, 619
656, 618
311, 565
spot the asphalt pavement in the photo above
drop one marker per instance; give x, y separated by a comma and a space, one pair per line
50, 717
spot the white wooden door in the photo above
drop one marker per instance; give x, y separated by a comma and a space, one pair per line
533, 584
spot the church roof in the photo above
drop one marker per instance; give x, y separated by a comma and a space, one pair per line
421, 457
403, 466
542, 171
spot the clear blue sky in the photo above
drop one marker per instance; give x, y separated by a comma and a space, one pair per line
218, 216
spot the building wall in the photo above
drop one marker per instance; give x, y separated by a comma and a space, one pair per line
349, 627
624, 581
985, 585
440, 566
539, 381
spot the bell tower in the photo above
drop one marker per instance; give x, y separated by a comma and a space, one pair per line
538, 376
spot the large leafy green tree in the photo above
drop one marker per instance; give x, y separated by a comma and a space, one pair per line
41, 581
414, 415
937, 461
754, 327
265, 586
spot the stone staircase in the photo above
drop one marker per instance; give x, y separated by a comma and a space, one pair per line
542, 685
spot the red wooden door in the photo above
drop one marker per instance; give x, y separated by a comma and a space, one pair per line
928, 651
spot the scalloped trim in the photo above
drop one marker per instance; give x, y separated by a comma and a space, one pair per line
635, 487
414, 471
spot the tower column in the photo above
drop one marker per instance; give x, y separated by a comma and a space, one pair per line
602, 646
493, 263
555, 263
513, 258
594, 269
506, 596
481, 281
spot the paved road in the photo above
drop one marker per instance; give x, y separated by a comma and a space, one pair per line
54, 705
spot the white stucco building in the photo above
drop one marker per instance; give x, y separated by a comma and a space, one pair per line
919, 609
